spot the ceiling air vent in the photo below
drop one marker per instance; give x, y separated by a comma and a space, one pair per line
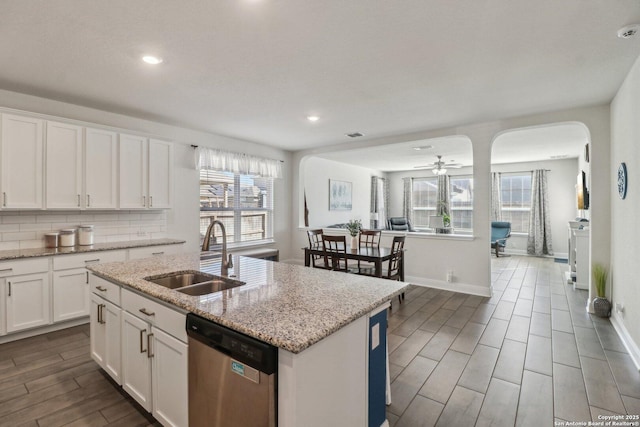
628, 31
354, 134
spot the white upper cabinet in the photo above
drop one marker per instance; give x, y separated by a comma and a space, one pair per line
22, 162
133, 172
160, 174
100, 169
64, 166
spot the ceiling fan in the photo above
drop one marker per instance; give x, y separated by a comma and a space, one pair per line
439, 167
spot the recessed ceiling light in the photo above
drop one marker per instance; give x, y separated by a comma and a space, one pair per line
313, 118
628, 31
153, 60
424, 147
354, 134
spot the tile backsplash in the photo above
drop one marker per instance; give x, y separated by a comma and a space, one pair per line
26, 229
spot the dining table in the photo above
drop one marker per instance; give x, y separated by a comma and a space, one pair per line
376, 256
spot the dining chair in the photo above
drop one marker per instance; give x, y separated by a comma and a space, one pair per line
393, 270
369, 239
335, 253
315, 242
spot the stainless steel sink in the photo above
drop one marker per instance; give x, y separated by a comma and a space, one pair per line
180, 280
210, 287
194, 282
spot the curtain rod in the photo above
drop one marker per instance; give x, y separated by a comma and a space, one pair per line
195, 146
546, 170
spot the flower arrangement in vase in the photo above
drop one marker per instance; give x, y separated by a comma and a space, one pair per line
601, 305
353, 227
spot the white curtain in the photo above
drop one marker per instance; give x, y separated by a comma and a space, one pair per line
496, 197
539, 242
245, 164
379, 201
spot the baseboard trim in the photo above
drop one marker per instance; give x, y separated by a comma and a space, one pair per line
626, 339
14, 336
465, 288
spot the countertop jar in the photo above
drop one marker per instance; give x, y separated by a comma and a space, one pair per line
51, 240
85, 235
67, 237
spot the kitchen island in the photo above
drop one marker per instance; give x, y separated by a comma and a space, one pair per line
318, 319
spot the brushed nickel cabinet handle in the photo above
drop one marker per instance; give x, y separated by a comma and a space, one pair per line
149, 353
98, 312
4, 198
9, 283
100, 288
157, 253
142, 349
144, 201
6, 270
91, 260
150, 201
78, 200
87, 277
88, 200
146, 313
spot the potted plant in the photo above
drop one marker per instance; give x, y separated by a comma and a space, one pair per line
601, 305
354, 226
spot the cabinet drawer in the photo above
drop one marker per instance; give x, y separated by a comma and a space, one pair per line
106, 289
27, 266
151, 251
82, 260
159, 315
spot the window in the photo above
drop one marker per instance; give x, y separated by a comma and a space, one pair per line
425, 201
461, 208
243, 203
515, 191
424, 197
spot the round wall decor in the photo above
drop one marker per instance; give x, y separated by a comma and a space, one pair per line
622, 180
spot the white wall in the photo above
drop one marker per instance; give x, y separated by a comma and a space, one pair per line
317, 173
561, 182
625, 233
181, 221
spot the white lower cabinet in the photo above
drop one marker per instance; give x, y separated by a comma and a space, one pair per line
27, 301
154, 363
105, 336
70, 294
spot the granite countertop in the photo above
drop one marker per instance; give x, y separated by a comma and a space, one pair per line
289, 306
39, 252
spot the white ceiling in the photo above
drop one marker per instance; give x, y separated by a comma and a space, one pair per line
254, 69
564, 140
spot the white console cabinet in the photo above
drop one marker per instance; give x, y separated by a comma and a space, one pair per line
583, 262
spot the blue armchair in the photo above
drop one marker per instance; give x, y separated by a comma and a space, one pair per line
500, 232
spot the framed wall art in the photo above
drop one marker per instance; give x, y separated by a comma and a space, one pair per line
339, 195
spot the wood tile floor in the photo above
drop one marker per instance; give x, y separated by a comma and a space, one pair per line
50, 380
527, 356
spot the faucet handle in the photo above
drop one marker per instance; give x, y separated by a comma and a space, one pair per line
230, 262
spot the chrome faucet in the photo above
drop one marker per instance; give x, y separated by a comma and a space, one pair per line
227, 262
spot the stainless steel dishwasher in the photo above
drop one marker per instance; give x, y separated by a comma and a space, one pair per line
232, 377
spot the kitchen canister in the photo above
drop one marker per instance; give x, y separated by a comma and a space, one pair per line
85, 235
67, 237
51, 240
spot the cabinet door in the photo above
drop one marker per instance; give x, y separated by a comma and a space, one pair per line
70, 294
100, 169
22, 158
27, 301
111, 316
170, 379
64, 166
97, 331
136, 366
160, 174
105, 336
133, 172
